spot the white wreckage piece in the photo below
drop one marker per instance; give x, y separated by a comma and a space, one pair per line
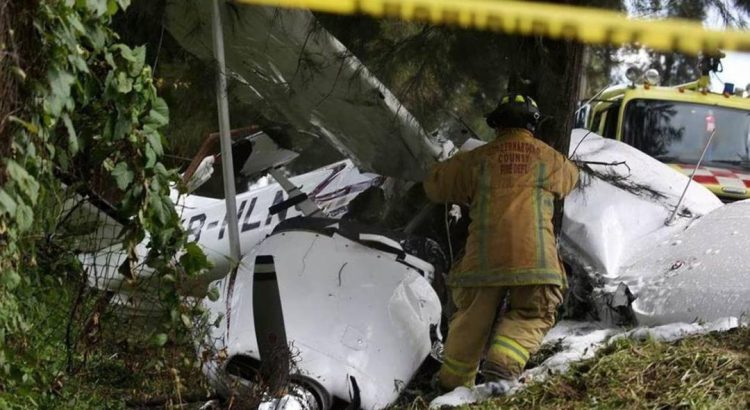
357, 310
614, 229
331, 188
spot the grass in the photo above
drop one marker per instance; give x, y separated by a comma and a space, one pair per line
705, 372
709, 371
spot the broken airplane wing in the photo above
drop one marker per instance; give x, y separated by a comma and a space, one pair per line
286, 61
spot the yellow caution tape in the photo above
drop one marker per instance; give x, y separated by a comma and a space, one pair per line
584, 24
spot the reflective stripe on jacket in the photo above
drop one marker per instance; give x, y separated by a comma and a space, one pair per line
510, 184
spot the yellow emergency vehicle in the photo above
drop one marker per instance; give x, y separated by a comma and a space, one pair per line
674, 125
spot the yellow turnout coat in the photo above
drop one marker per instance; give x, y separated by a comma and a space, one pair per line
510, 184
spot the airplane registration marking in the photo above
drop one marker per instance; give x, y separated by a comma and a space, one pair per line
249, 219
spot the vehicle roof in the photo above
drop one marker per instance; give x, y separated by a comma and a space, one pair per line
679, 93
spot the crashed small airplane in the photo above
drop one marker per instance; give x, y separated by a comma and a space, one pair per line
357, 303
372, 290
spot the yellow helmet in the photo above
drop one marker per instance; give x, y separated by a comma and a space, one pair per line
515, 111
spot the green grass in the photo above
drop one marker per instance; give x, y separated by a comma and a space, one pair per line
710, 371
703, 372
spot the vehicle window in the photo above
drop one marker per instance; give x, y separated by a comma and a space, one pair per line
602, 121
678, 132
596, 121
610, 121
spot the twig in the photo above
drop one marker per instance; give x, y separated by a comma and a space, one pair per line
69, 328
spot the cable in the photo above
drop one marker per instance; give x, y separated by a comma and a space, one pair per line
448, 235
158, 49
591, 99
579, 144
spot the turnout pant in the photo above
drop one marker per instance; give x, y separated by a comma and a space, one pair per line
517, 333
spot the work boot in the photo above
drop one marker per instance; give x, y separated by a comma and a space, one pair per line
436, 386
492, 372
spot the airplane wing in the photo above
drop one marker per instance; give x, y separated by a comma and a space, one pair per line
291, 65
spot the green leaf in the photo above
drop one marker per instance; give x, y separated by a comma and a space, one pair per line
213, 294
7, 204
110, 59
79, 63
75, 22
125, 51
159, 339
194, 259
98, 37
124, 84
150, 157
123, 175
59, 97
123, 127
139, 61
154, 139
26, 183
98, 7
157, 208
111, 7
186, 321
24, 216
10, 279
72, 136
159, 114
29, 126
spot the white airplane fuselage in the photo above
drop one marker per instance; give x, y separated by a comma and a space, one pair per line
204, 218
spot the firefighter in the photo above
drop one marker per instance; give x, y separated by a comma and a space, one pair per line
511, 252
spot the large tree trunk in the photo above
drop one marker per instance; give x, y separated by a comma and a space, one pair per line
17, 40
550, 71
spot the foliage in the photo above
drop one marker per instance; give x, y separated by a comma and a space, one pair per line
439, 72
90, 117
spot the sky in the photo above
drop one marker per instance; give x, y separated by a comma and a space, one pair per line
736, 65
736, 71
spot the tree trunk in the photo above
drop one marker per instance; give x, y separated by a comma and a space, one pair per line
550, 72
17, 40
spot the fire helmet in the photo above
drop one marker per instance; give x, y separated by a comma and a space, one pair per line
515, 111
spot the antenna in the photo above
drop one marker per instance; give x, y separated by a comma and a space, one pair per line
670, 221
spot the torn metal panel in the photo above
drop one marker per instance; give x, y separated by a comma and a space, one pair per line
619, 211
350, 311
284, 60
701, 274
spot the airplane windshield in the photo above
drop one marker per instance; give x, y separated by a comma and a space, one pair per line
677, 132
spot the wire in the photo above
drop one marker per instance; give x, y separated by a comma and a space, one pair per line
158, 49
186, 159
579, 144
716, 76
591, 99
448, 235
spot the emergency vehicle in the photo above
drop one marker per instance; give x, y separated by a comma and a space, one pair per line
675, 124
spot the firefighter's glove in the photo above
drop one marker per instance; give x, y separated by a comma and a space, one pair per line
441, 149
